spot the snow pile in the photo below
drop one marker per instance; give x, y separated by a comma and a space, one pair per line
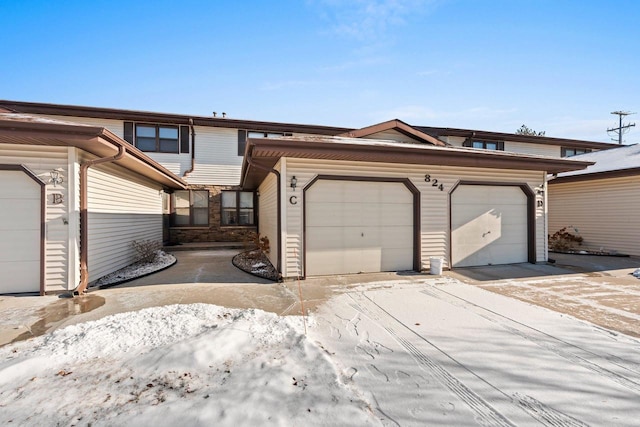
637, 273
185, 365
139, 269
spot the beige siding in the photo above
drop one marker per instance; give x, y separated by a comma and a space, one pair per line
41, 160
122, 207
393, 135
434, 203
604, 211
216, 154
268, 214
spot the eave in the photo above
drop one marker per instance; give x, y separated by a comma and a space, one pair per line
95, 140
397, 125
267, 152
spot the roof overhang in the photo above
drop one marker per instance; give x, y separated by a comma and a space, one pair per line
513, 137
398, 126
262, 155
618, 173
27, 130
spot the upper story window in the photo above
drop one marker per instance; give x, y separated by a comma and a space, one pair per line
157, 138
485, 145
244, 134
568, 152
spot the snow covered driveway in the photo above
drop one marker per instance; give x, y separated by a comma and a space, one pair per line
440, 352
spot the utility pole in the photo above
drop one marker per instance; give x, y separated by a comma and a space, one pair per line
621, 129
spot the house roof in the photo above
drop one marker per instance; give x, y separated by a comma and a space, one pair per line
623, 160
398, 126
169, 118
499, 136
261, 155
29, 130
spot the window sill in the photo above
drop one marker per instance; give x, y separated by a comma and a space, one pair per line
189, 227
237, 226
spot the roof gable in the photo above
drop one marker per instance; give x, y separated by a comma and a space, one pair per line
397, 126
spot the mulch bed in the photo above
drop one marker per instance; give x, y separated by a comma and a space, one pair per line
256, 263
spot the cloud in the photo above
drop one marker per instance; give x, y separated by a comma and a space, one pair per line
367, 19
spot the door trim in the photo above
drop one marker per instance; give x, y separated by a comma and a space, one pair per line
531, 214
405, 181
43, 199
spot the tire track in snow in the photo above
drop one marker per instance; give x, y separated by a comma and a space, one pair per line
550, 416
542, 339
485, 414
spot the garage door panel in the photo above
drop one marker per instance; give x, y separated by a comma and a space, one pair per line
400, 259
20, 227
373, 226
489, 225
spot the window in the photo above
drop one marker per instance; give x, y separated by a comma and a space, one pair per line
237, 208
568, 152
190, 208
157, 138
244, 134
485, 145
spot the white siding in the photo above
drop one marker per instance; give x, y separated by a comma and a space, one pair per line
268, 214
515, 147
434, 203
604, 211
122, 207
528, 148
41, 160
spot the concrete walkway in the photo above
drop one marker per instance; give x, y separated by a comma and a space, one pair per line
596, 289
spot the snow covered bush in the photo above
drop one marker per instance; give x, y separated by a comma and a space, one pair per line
146, 250
562, 240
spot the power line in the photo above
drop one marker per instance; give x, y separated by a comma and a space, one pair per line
621, 129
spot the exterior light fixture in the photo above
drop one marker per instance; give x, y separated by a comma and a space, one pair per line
55, 176
294, 182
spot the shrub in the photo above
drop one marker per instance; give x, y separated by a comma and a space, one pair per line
563, 240
259, 242
146, 250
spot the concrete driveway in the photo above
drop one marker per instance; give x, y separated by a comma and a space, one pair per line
597, 289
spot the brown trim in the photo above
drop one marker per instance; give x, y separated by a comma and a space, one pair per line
531, 215
407, 183
168, 118
397, 125
84, 214
43, 208
620, 173
269, 150
513, 137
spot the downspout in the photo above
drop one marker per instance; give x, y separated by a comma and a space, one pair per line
193, 150
84, 215
279, 201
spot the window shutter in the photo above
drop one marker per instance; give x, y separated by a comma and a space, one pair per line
500, 145
184, 139
128, 132
467, 143
242, 141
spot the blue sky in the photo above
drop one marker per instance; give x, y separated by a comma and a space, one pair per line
558, 66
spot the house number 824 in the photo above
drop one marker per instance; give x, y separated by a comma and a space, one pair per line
434, 182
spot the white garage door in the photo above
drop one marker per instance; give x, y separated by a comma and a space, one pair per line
20, 233
488, 225
356, 227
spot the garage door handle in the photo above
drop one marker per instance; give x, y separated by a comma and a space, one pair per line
361, 234
488, 232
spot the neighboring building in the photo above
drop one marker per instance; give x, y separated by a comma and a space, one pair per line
73, 199
602, 202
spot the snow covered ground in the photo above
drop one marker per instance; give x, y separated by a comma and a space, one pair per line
433, 352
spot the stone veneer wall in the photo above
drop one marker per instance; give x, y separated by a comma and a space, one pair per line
214, 232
